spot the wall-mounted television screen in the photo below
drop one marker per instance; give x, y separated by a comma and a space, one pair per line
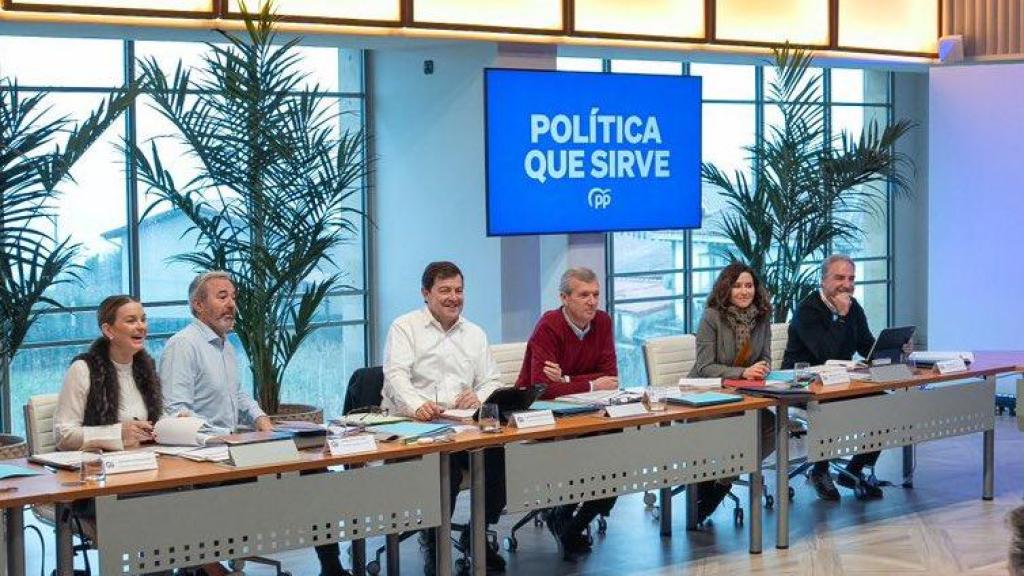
589, 152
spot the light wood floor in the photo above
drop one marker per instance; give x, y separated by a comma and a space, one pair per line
939, 527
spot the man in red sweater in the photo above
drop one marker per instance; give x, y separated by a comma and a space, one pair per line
572, 349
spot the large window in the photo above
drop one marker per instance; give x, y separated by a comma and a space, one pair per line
658, 281
122, 253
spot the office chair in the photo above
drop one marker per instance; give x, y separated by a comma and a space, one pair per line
668, 359
365, 390
39, 413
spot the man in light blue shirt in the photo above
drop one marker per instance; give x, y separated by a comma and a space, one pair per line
198, 368
199, 375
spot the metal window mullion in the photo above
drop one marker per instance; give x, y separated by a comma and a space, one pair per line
369, 231
131, 120
890, 224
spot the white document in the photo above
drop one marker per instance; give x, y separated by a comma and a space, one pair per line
699, 383
935, 356
211, 454
595, 397
172, 450
180, 431
458, 413
848, 364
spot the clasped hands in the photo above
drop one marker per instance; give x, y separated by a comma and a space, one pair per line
554, 373
431, 410
136, 432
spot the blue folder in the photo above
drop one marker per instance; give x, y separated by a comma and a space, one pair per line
411, 429
704, 398
564, 408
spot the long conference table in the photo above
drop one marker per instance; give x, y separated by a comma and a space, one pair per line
188, 513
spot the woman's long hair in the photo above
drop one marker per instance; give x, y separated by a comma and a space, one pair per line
103, 401
721, 293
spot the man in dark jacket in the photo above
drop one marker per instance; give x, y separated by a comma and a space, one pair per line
829, 324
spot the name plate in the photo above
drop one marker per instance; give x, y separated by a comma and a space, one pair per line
951, 366
263, 453
119, 462
533, 418
834, 377
890, 373
622, 410
346, 445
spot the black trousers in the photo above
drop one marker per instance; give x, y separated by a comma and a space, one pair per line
494, 480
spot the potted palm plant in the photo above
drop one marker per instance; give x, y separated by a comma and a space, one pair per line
37, 152
808, 188
269, 203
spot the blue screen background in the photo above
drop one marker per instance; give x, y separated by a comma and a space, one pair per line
518, 204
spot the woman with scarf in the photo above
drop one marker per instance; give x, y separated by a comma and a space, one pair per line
111, 394
734, 342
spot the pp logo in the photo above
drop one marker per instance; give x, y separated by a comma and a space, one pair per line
599, 198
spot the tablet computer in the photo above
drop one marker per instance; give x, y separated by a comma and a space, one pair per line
889, 344
513, 400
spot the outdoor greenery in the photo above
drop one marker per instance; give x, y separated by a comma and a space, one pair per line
809, 188
37, 153
269, 201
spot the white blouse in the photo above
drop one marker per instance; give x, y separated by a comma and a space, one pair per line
68, 430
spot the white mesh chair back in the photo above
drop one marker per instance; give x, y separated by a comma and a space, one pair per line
669, 358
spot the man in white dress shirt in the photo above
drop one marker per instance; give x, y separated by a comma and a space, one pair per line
435, 359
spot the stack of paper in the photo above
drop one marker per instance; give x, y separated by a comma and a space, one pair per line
931, 357
699, 383
410, 430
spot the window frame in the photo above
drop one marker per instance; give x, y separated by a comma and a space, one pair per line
134, 209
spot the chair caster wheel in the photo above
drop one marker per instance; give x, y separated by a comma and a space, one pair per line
511, 544
538, 521
792, 493
769, 501
462, 567
737, 516
649, 499
656, 512
373, 568
602, 525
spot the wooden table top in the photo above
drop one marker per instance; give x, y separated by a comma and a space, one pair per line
985, 364
173, 472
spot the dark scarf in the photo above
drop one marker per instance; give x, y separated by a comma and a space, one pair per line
104, 399
742, 321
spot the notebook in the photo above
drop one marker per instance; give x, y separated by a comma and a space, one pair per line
704, 398
564, 408
407, 430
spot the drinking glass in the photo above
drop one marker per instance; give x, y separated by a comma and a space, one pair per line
489, 418
801, 375
92, 469
656, 401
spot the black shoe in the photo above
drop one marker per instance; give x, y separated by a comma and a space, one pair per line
570, 544
330, 565
709, 495
577, 543
429, 548
865, 487
495, 563
822, 482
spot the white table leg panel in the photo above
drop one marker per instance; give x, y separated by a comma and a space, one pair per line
847, 427
544, 474
145, 533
